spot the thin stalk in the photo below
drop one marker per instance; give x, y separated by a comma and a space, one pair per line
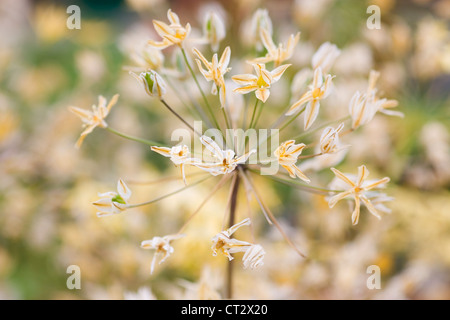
179, 117
291, 120
231, 222
210, 195
271, 216
321, 127
133, 138
253, 114
169, 194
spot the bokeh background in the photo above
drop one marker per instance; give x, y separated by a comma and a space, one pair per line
47, 186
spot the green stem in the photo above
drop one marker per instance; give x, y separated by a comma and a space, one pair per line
254, 112
126, 136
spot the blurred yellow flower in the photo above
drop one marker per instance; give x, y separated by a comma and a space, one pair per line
162, 247
274, 53
318, 90
171, 34
94, 118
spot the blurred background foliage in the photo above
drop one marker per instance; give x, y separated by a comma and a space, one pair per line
47, 186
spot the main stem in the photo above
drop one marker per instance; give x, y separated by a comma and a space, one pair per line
231, 222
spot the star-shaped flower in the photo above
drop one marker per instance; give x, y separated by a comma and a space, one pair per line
260, 82
94, 118
162, 247
171, 34
318, 90
215, 71
358, 189
113, 202
225, 161
274, 53
287, 155
179, 155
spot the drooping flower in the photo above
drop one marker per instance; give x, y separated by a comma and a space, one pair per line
318, 90
94, 118
152, 82
260, 82
214, 30
287, 155
274, 53
113, 202
225, 161
171, 34
162, 248
358, 189
215, 71
179, 155
325, 57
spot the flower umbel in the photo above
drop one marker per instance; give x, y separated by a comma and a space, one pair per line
358, 189
113, 202
260, 82
94, 118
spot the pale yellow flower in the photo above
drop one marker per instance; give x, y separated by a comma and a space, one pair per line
364, 106
274, 53
225, 160
179, 155
162, 248
260, 82
171, 34
215, 71
329, 140
318, 90
358, 189
94, 118
287, 155
113, 202
223, 243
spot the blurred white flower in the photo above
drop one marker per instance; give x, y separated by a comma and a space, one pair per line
113, 202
